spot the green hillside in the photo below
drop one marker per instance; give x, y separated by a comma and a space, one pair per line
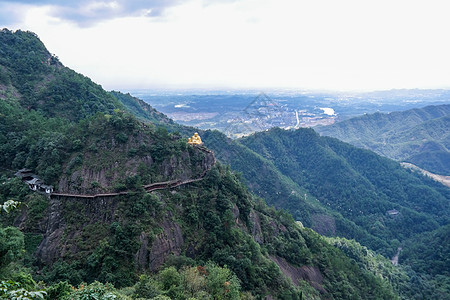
105, 234
366, 197
278, 189
429, 253
358, 183
147, 113
292, 170
418, 136
383, 181
36, 79
142, 110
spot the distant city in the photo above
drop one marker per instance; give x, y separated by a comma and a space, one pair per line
242, 112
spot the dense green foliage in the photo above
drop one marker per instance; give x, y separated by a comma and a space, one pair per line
418, 136
104, 249
11, 246
282, 183
407, 282
359, 184
52, 146
32, 140
387, 183
429, 253
147, 113
226, 243
41, 102
281, 191
142, 110
43, 83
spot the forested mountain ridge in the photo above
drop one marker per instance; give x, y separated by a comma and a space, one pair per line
381, 175
147, 113
388, 204
356, 183
293, 169
142, 110
418, 136
37, 79
362, 186
265, 180
208, 239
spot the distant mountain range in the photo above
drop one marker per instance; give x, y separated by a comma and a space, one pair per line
418, 136
313, 176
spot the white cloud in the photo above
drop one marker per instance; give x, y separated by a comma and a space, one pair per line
87, 13
347, 44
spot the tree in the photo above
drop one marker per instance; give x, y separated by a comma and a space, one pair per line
12, 246
222, 283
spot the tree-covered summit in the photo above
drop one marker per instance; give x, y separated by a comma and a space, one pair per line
36, 79
419, 136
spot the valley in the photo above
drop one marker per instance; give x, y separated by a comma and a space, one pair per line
239, 113
419, 136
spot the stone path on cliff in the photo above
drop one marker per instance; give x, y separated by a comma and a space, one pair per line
148, 188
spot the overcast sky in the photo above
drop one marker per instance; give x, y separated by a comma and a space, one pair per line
300, 44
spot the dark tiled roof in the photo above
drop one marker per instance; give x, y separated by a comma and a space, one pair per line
35, 180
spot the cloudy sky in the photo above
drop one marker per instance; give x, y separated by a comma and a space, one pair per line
299, 44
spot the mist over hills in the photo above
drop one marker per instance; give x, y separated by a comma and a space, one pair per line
201, 233
242, 112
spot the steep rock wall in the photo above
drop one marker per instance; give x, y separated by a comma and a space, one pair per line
99, 176
68, 218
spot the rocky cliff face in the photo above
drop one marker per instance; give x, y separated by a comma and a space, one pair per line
61, 233
109, 167
169, 242
65, 238
110, 238
71, 220
296, 274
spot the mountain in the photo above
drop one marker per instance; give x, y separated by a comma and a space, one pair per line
280, 190
314, 177
326, 169
215, 219
36, 79
429, 253
418, 136
356, 183
146, 113
142, 110
135, 206
342, 190
292, 170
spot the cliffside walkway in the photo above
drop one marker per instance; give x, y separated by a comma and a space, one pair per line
148, 188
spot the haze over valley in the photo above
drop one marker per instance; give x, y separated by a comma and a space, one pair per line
242, 112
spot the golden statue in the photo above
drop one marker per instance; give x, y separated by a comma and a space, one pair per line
195, 140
